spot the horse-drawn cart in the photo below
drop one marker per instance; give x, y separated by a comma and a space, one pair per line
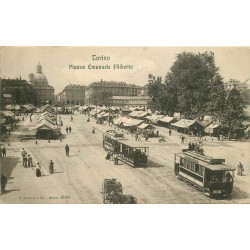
111, 191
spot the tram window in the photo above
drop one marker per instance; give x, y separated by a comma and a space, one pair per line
181, 161
192, 166
201, 170
197, 168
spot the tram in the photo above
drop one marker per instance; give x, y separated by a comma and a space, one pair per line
131, 153
204, 172
111, 140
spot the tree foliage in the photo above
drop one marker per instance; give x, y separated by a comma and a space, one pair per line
193, 87
233, 114
100, 98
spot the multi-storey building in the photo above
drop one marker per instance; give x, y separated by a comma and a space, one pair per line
17, 91
44, 92
72, 94
129, 101
100, 92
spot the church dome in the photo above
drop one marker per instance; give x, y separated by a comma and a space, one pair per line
39, 77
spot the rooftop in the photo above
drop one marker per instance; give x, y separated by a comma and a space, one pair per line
75, 86
112, 83
14, 81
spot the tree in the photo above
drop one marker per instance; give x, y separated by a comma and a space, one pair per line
233, 115
195, 84
100, 98
155, 92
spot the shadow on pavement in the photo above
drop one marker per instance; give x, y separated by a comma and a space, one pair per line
9, 191
7, 165
239, 194
153, 164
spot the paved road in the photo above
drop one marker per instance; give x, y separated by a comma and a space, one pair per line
78, 178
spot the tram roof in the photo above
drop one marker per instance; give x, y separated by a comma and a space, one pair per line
220, 166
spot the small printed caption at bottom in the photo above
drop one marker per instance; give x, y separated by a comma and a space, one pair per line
61, 197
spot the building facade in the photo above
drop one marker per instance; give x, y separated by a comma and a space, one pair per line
141, 101
44, 92
100, 92
72, 94
16, 91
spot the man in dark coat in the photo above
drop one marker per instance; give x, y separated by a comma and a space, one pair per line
29, 159
67, 149
4, 152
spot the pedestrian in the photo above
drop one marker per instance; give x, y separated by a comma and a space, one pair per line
71, 118
136, 136
0, 152
93, 131
4, 152
169, 132
38, 170
67, 149
70, 129
182, 139
115, 159
51, 167
25, 160
67, 130
190, 146
240, 169
108, 155
157, 133
23, 152
139, 138
29, 159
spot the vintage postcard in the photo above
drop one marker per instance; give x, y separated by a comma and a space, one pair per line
124, 125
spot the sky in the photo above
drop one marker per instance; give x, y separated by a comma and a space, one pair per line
234, 63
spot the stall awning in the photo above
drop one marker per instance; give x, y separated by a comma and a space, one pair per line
166, 119
184, 123
45, 125
7, 113
146, 126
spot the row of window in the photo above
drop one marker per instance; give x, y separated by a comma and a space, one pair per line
194, 167
131, 101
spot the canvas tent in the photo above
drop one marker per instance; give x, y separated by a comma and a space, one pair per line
212, 129
166, 121
46, 130
188, 126
145, 128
